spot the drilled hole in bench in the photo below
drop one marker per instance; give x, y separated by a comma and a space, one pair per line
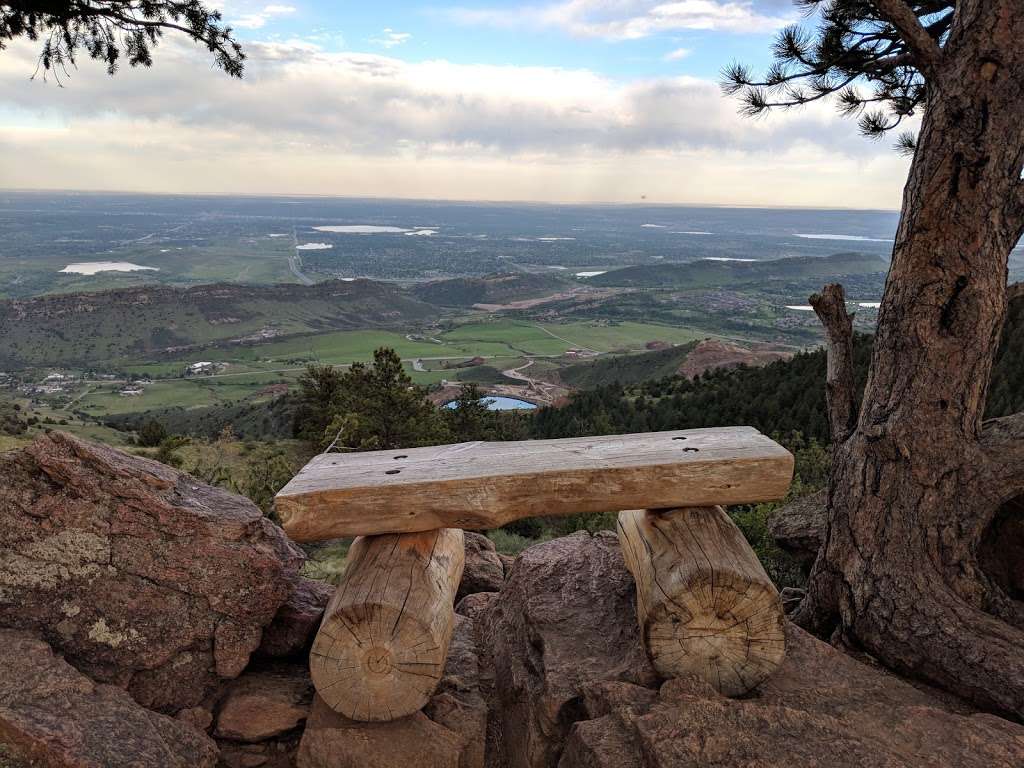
689, 450
403, 456
392, 472
678, 438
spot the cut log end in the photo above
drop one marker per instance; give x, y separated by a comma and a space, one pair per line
734, 637
374, 662
705, 605
380, 651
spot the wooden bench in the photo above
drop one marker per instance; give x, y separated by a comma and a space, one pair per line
704, 602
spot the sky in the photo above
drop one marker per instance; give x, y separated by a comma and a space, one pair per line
560, 101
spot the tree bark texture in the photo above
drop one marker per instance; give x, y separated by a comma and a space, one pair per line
916, 486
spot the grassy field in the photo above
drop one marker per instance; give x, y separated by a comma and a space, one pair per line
621, 336
248, 370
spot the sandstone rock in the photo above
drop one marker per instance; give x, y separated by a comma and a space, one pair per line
140, 575
565, 620
268, 754
484, 571
506, 563
54, 716
472, 606
292, 631
264, 704
821, 708
199, 718
457, 704
332, 741
799, 527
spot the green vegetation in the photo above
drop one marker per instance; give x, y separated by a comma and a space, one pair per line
709, 274
492, 289
626, 369
103, 330
377, 406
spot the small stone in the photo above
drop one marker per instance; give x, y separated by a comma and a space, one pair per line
263, 704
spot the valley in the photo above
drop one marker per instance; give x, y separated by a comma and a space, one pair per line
113, 307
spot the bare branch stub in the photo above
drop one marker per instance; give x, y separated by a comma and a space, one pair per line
830, 307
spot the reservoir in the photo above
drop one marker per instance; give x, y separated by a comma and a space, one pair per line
499, 403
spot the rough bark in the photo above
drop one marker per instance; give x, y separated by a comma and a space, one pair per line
381, 648
915, 487
706, 607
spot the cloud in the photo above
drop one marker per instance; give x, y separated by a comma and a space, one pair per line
677, 55
389, 38
630, 19
305, 120
259, 19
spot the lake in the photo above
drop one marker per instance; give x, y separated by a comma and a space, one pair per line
499, 403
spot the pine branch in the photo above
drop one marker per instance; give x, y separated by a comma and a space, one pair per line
926, 50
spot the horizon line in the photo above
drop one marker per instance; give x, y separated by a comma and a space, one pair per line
454, 201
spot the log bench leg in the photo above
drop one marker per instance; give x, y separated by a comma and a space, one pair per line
705, 604
381, 648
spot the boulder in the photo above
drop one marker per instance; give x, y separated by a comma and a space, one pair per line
820, 703
472, 606
52, 715
140, 575
294, 626
333, 741
484, 570
565, 620
458, 704
265, 703
799, 527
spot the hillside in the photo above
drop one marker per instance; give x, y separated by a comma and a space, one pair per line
783, 397
688, 360
491, 289
626, 369
91, 328
709, 273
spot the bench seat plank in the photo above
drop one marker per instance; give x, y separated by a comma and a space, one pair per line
485, 485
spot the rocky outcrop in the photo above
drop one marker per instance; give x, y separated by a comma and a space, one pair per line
294, 626
711, 354
140, 575
799, 527
571, 695
566, 618
821, 703
484, 570
146, 578
52, 715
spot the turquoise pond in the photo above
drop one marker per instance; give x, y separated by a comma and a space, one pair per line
500, 403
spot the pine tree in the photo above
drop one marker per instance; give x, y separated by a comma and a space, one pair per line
111, 30
917, 477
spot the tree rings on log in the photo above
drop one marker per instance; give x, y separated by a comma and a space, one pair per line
380, 651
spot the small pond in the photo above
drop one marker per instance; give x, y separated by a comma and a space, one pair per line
499, 403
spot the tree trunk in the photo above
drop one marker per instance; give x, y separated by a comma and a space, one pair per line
915, 486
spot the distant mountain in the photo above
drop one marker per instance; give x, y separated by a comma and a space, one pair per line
87, 328
710, 273
491, 289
